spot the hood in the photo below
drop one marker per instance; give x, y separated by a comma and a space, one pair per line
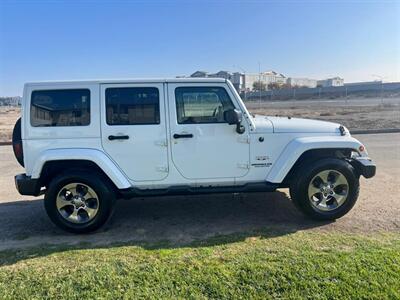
296, 125
263, 124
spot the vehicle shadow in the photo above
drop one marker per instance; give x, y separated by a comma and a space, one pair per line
164, 222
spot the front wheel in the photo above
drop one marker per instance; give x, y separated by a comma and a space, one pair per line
326, 189
79, 202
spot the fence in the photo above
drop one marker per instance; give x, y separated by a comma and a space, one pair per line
355, 90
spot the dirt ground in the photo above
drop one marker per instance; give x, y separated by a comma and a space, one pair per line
183, 219
8, 117
355, 114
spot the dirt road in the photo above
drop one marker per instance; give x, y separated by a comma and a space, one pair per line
181, 220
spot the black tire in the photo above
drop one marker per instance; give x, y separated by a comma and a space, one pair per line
100, 185
303, 177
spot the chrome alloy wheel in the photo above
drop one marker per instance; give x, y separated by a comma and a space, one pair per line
77, 203
328, 190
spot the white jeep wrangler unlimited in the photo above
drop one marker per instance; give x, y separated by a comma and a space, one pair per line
84, 144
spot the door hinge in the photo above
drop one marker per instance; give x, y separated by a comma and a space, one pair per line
244, 139
244, 166
162, 169
163, 143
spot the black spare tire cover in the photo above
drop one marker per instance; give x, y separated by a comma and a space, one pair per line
17, 143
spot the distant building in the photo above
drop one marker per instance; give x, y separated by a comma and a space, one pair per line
236, 78
274, 77
245, 81
221, 74
335, 81
264, 77
238, 81
199, 74
302, 82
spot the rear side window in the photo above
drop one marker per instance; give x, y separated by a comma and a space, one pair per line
196, 105
132, 106
60, 108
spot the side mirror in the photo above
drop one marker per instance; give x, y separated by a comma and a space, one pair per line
234, 117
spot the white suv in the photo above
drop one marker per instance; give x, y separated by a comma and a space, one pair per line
84, 144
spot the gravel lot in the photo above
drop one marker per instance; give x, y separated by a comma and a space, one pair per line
181, 220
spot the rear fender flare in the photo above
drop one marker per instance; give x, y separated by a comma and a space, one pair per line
96, 156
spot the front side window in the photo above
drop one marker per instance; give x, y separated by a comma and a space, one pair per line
196, 105
132, 106
60, 108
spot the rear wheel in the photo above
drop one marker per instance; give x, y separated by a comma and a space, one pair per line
79, 202
326, 189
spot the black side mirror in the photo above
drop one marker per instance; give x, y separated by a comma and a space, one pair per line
234, 117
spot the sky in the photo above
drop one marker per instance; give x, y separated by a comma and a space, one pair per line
63, 40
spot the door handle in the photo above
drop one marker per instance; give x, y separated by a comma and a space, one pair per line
183, 136
118, 137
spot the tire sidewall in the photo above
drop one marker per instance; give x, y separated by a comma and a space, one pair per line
94, 181
300, 189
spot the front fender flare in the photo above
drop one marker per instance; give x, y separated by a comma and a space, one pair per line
298, 146
96, 156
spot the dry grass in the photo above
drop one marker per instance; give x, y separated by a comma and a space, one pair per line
354, 117
8, 117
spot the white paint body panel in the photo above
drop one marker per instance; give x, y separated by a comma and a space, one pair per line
215, 151
296, 125
216, 156
143, 157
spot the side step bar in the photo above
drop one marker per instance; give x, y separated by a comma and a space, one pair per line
189, 190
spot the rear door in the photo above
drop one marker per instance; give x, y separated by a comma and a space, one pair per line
133, 129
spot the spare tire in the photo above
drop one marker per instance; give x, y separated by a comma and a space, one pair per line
17, 143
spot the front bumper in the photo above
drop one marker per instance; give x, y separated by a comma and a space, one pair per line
364, 166
26, 185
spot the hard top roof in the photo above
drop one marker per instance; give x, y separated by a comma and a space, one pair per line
133, 80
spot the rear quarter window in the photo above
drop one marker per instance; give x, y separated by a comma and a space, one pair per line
70, 107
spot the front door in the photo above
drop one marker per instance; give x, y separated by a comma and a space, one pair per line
133, 129
203, 145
